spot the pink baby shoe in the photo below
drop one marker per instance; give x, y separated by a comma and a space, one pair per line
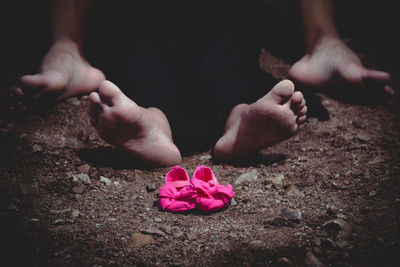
211, 195
178, 193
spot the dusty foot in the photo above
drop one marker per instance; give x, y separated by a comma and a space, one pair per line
332, 67
64, 73
271, 119
144, 133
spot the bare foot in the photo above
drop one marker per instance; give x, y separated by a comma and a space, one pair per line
64, 73
271, 119
332, 67
144, 133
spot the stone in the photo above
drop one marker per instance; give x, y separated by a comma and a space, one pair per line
191, 236
293, 192
205, 157
59, 211
105, 180
153, 231
339, 226
151, 187
312, 261
83, 168
292, 214
283, 261
361, 138
84, 178
277, 180
37, 148
247, 177
78, 189
75, 213
140, 240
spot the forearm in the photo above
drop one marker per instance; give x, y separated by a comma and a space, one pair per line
68, 18
318, 20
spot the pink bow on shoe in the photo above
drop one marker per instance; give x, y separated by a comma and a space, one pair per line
211, 195
178, 193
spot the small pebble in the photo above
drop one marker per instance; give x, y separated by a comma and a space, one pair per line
292, 214
75, 213
105, 180
83, 168
78, 189
84, 178
247, 177
36, 148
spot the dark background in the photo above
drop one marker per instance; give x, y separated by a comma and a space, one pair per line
25, 31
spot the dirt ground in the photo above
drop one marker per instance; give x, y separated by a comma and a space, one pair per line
328, 196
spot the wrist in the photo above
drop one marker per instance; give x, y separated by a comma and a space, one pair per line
67, 44
326, 38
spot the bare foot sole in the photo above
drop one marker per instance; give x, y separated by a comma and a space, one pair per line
144, 133
271, 119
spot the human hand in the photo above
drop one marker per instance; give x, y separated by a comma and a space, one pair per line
63, 73
332, 67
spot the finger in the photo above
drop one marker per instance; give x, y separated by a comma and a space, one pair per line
45, 82
17, 92
16, 96
36, 80
32, 86
388, 89
376, 75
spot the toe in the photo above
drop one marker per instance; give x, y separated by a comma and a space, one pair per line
95, 105
302, 111
297, 99
301, 119
298, 107
109, 92
282, 91
94, 99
